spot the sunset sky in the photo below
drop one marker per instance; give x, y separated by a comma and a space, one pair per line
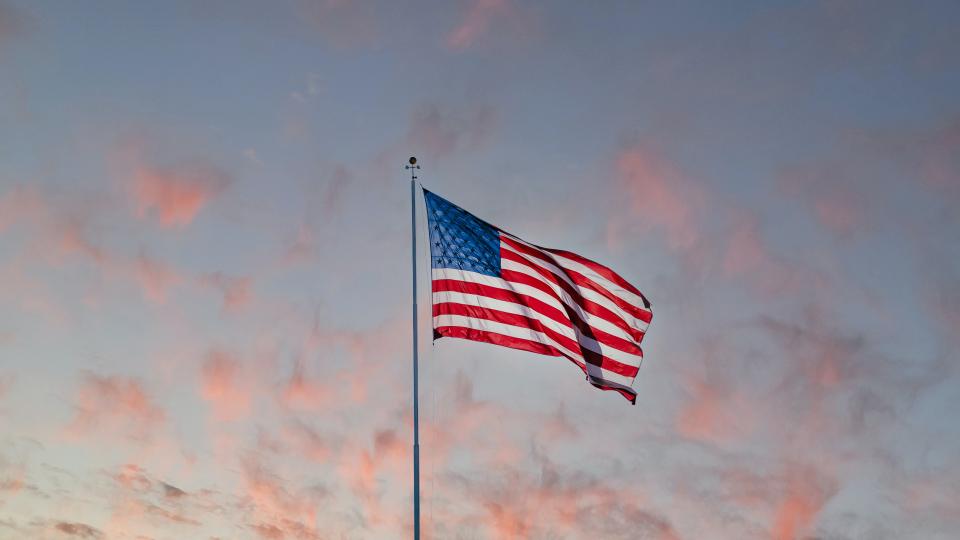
205, 273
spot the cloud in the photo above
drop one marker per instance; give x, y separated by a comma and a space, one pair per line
19, 204
277, 512
172, 492
155, 278
79, 530
115, 405
477, 21
12, 23
715, 412
747, 256
835, 198
224, 385
304, 392
175, 195
939, 161
803, 494
441, 133
344, 23
6, 382
237, 292
660, 197
547, 501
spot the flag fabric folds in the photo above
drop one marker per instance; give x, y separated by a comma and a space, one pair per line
493, 287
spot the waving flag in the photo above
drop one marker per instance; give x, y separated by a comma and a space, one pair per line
491, 286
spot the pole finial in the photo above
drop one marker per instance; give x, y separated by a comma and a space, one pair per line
412, 167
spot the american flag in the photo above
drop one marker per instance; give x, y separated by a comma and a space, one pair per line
491, 286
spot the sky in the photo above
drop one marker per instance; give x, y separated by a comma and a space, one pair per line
205, 267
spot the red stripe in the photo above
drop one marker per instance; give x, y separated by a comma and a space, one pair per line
513, 319
628, 393
568, 317
524, 345
470, 287
511, 342
579, 279
643, 314
587, 305
602, 270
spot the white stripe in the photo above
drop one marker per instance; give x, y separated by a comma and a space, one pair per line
593, 321
573, 333
556, 268
566, 262
587, 293
499, 283
500, 305
613, 288
531, 335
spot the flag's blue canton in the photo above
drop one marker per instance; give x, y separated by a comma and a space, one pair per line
458, 239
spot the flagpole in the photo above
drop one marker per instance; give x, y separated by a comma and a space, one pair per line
413, 167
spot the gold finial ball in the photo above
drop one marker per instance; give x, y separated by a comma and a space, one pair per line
413, 160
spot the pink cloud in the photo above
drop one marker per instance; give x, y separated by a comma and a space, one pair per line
115, 405
441, 133
940, 165
803, 497
12, 23
236, 291
175, 195
714, 412
838, 214
132, 477
478, 19
303, 392
748, 256
661, 197
20, 204
831, 194
155, 278
277, 510
549, 502
224, 385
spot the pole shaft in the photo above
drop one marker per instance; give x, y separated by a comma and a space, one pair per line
416, 387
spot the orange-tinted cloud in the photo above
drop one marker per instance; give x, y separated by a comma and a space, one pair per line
277, 511
175, 195
802, 498
224, 385
661, 197
549, 502
477, 20
714, 412
832, 195
115, 405
236, 291
303, 392
155, 278
747, 256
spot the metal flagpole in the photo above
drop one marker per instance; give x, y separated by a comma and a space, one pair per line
413, 167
